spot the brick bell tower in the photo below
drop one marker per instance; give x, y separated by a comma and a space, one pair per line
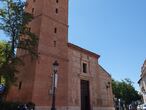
50, 23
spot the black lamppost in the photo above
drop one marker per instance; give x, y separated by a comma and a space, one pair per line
54, 84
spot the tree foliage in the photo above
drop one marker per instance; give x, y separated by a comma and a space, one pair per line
14, 21
5, 51
3, 56
124, 90
8, 69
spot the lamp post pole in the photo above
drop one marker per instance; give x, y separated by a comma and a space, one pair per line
54, 84
54, 93
119, 102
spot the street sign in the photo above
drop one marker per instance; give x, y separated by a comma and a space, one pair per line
56, 80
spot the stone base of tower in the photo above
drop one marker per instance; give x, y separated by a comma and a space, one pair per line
72, 108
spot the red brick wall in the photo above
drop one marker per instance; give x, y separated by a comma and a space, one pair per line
100, 94
36, 75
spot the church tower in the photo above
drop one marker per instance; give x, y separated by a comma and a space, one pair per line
50, 24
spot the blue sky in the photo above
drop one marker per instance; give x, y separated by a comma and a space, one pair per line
114, 29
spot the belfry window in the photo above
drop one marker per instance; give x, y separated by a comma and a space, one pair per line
54, 43
55, 30
57, 1
56, 10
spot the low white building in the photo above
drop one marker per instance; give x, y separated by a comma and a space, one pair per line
142, 82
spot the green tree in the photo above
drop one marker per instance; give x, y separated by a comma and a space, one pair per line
2, 54
7, 68
124, 90
14, 21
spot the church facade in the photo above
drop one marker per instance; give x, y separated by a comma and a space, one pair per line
82, 83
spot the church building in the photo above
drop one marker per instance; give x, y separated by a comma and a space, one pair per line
142, 82
80, 84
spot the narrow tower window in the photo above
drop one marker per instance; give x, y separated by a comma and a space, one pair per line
55, 30
54, 43
57, 1
56, 10
20, 85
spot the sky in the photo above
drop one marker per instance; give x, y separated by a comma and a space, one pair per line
114, 29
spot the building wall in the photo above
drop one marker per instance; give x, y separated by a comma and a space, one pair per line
100, 95
105, 87
52, 29
49, 52
142, 81
25, 76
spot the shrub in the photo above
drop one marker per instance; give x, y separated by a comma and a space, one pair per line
16, 106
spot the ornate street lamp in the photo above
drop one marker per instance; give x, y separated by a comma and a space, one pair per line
54, 84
